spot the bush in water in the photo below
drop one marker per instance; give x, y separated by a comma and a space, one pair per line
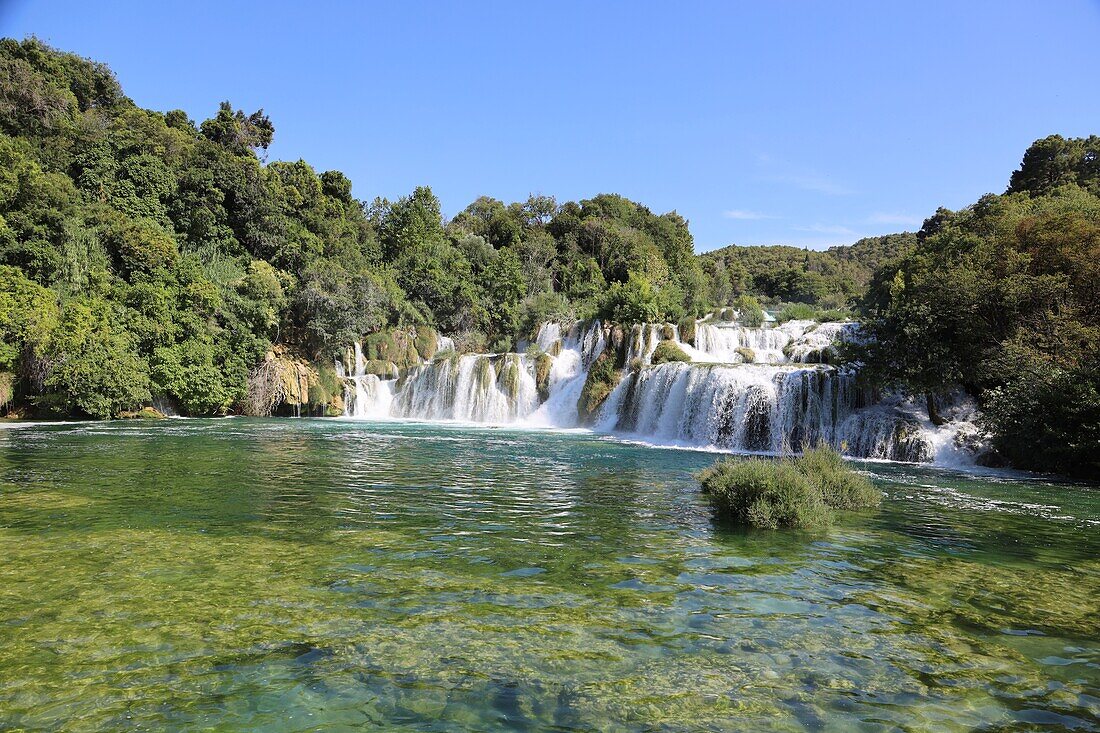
794, 492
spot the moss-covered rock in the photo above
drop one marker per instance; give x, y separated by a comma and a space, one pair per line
382, 369
747, 355
280, 384
543, 364
145, 413
404, 347
618, 343
687, 330
426, 342
667, 351
602, 379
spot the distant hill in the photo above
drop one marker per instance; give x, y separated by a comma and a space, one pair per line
827, 278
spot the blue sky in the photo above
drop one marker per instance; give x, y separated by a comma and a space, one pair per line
805, 123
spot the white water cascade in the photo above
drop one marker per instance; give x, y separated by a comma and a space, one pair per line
496, 388
734, 344
758, 409
768, 390
365, 395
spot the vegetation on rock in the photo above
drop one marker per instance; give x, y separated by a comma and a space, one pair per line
800, 492
602, 379
667, 351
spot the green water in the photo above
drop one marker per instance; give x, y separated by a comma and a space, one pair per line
293, 575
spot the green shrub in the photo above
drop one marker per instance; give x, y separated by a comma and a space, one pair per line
765, 494
796, 312
749, 312
807, 312
798, 492
831, 315
667, 351
840, 486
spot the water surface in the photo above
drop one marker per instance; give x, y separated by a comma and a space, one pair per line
294, 575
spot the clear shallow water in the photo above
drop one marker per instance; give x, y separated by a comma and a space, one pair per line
292, 575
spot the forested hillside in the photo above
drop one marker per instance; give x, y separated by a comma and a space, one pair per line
829, 278
145, 256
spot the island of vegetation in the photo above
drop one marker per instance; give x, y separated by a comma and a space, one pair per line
149, 260
800, 492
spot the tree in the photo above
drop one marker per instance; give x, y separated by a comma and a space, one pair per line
237, 132
1055, 161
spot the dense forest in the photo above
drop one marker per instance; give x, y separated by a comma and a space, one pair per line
827, 279
143, 256
146, 258
1003, 298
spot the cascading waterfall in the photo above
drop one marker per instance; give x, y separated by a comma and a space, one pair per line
496, 388
817, 345
758, 409
768, 390
365, 395
735, 344
574, 355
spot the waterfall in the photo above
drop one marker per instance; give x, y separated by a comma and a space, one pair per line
644, 338
733, 344
549, 337
576, 352
767, 390
768, 409
365, 395
816, 345
471, 387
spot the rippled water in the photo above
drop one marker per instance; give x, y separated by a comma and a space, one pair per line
293, 575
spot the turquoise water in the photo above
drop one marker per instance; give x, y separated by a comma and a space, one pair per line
295, 575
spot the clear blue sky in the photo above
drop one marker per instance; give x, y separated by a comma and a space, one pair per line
806, 123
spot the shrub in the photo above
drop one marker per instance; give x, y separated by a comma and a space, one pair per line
749, 312
794, 492
796, 312
667, 351
635, 301
765, 494
831, 315
840, 486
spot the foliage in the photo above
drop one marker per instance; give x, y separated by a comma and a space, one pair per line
798, 492
749, 312
1002, 298
828, 279
807, 312
1055, 161
667, 351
